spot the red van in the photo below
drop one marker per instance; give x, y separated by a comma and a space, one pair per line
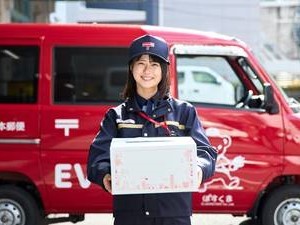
57, 81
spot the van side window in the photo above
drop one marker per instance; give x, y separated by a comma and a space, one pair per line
19, 66
89, 74
207, 79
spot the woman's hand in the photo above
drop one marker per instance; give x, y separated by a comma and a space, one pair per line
200, 176
107, 182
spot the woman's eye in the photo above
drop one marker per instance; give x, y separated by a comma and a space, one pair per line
140, 63
155, 64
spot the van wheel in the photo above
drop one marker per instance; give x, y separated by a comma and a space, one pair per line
282, 206
17, 207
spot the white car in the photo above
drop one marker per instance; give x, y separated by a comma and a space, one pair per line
202, 84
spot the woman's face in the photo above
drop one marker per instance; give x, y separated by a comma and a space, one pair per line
147, 75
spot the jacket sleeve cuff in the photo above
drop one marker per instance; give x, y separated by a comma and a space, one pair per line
96, 175
101, 176
206, 167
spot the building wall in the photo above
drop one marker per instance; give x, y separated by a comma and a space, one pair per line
40, 10
238, 18
5, 8
77, 12
25, 10
278, 21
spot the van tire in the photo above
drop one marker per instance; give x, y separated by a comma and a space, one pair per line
282, 204
18, 207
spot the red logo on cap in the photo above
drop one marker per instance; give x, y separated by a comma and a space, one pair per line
148, 45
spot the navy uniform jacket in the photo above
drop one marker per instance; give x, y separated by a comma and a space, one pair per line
124, 121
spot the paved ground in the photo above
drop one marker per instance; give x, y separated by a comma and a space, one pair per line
203, 219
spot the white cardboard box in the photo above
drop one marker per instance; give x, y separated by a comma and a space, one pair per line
153, 165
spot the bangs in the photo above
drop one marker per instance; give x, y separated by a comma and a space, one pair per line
152, 58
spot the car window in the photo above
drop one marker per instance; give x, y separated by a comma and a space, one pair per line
86, 75
19, 66
203, 77
180, 77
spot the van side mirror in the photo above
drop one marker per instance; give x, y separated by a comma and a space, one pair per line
270, 105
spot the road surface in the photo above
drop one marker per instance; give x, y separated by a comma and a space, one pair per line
197, 219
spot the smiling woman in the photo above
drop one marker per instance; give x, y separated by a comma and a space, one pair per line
147, 73
154, 114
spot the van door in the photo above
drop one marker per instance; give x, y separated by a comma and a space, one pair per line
85, 82
249, 140
19, 108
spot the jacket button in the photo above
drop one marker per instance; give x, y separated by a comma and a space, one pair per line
145, 134
147, 213
169, 110
154, 115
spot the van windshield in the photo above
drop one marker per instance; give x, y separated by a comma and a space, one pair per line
292, 102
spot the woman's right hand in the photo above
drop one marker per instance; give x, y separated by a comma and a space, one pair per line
107, 182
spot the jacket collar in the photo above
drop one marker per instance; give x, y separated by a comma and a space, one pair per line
162, 106
131, 105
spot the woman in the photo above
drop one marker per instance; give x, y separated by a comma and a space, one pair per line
147, 103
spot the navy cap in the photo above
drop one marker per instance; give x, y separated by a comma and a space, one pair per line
151, 45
